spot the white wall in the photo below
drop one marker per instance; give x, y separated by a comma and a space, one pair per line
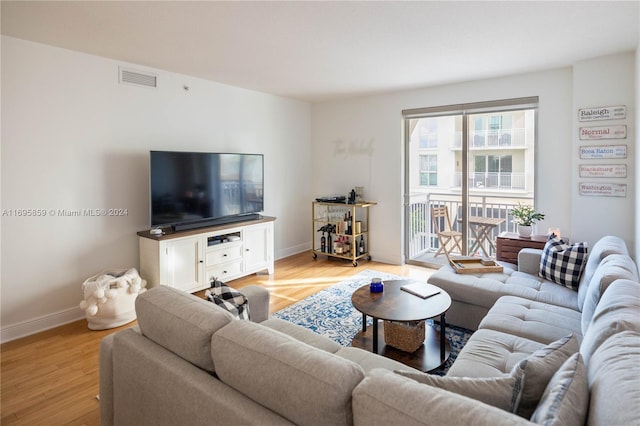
603, 81
359, 142
637, 158
362, 138
73, 138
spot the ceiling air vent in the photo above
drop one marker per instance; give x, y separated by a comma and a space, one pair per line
138, 78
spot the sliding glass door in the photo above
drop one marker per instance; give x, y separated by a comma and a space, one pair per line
466, 166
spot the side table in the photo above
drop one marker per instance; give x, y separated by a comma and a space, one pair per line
394, 304
509, 244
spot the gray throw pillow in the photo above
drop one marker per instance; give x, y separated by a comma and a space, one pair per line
566, 399
539, 368
500, 392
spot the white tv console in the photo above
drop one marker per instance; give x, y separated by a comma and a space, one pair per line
188, 260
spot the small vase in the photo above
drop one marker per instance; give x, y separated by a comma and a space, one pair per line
524, 231
376, 286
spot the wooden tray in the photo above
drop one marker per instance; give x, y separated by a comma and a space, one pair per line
474, 266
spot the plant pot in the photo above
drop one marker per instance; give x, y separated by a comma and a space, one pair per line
525, 231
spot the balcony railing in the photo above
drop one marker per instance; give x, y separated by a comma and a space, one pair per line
494, 138
423, 237
496, 180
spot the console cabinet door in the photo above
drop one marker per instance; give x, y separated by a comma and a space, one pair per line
183, 264
258, 243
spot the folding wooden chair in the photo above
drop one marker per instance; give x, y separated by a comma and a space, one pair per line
448, 238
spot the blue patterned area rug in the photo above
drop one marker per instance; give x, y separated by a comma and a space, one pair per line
331, 314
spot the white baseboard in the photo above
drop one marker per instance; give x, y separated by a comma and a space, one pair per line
290, 251
27, 328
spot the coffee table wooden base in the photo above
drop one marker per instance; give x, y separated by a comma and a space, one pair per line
426, 358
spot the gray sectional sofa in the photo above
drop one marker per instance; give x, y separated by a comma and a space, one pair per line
540, 355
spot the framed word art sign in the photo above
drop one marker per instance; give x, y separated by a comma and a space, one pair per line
603, 189
603, 151
603, 170
616, 112
603, 132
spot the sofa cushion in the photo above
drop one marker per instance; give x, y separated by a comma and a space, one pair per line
369, 361
539, 367
304, 384
604, 247
302, 334
617, 311
485, 289
563, 263
491, 353
566, 399
613, 372
155, 387
500, 392
537, 321
613, 267
385, 398
181, 322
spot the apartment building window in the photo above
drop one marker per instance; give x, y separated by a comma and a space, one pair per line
495, 123
428, 133
479, 134
429, 170
492, 171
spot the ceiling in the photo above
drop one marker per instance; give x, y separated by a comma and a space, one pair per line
316, 51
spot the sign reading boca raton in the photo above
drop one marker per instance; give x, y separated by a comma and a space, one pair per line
603, 189
603, 132
617, 112
603, 151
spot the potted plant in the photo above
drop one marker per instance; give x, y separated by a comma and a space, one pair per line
525, 216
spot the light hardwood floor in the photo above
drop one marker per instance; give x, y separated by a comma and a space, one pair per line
51, 378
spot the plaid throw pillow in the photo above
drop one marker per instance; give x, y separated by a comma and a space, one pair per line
229, 299
563, 263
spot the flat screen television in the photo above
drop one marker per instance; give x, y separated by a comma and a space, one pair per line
197, 189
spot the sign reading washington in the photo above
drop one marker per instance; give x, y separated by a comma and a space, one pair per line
617, 112
603, 189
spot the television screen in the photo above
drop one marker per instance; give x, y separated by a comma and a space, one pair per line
189, 187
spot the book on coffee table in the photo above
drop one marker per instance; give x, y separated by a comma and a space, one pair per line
423, 290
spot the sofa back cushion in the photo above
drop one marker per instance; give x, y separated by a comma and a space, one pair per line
304, 384
612, 375
600, 250
618, 310
181, 322
613, 267
385, 398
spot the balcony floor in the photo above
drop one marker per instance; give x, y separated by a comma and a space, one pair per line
429, 260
